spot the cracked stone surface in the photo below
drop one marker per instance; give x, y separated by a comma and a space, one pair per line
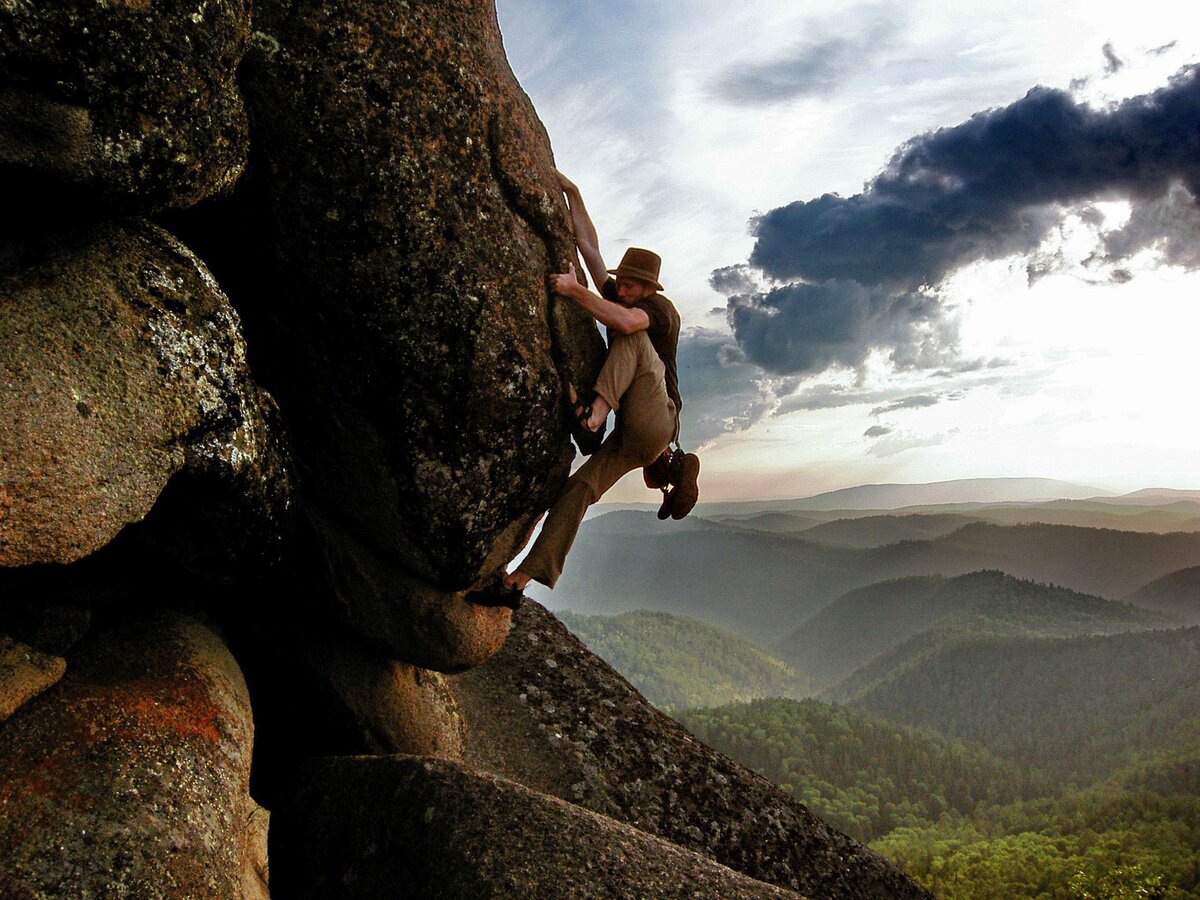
366, 827
121, 364
548, 713
404, 216
130, 777
119, 107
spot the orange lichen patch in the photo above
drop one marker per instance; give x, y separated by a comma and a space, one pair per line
188, 719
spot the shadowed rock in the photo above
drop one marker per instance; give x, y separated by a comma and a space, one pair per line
24, 673
393, 826
320, 692
121, 365
118, 107
549, 714
130, 776
389, 249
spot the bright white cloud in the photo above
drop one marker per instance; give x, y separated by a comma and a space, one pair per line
1099, 378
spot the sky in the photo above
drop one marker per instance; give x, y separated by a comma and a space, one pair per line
909, 242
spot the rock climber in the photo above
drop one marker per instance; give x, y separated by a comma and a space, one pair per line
638, 381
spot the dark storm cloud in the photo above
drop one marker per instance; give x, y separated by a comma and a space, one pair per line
865, 269
808, 328
815, 66
1171, 224
991, 187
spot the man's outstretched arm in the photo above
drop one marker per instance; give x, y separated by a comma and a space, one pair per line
585, 232
623, 319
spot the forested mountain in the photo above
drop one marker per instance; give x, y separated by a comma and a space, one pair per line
868, 622
677, 662
775, 522
1176, 594
1074, 708
877, 531
761, 585
862, 775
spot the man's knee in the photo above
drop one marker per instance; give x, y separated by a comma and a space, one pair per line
583, 489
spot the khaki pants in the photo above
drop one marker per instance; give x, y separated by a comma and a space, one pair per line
632, 384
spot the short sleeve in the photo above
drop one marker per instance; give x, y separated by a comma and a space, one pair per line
608, 290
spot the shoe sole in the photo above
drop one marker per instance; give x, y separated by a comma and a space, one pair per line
687, 492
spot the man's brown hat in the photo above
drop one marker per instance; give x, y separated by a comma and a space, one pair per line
640, 264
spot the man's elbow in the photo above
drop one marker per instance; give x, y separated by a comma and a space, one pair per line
632, 325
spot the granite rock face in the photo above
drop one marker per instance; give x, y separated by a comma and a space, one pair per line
367, 827
130, 777
405, 217
549, 714
122, 364
118, 107
24, 673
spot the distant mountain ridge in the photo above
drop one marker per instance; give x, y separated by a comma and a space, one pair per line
870, 621
679, 662
965, 490
761, 585
1177, 594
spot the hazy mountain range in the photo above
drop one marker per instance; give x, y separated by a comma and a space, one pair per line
763, 585
1006, 695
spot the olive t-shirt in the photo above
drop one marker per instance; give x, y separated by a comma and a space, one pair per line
663, 333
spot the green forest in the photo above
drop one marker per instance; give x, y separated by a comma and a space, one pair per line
965, 824
998, 738
678, 662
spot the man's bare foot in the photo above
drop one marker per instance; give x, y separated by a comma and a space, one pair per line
600, 409
516, 581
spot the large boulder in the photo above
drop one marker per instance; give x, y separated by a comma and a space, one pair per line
122, 366
118, 107
129, 778
549, 714
370, 827
389, 249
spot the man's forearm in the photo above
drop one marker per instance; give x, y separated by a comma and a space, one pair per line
586, 238
623, 319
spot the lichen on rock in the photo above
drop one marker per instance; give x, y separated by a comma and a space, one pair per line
119, 107
130, 777
389, 250
121, 365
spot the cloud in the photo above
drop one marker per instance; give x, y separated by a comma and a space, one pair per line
918, 401
808, 328
815, 66
1169, 224
989, 188
1112, 62
877, 431
722, 392
898, 442
847, 276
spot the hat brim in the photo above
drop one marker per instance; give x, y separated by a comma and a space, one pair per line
640, 276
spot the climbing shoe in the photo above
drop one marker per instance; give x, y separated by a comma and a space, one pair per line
586, 440
687, 489
664, 511
496, 595
657, 474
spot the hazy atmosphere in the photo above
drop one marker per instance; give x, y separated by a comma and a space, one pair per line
910, 242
